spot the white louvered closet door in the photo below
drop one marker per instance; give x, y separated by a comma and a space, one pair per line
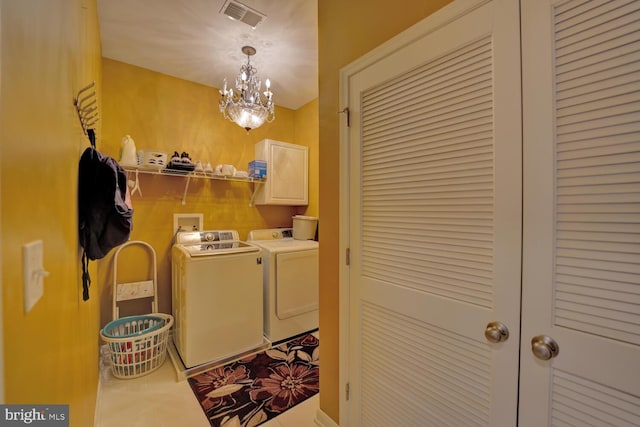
435, 216
581, 272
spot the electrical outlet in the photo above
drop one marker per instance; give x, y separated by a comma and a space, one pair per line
33, 273
187, 222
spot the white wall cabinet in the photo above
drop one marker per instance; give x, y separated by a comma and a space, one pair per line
287, 181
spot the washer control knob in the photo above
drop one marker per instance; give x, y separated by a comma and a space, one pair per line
274, 234
208, 237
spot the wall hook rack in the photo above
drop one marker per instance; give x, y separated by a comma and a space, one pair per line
86, 104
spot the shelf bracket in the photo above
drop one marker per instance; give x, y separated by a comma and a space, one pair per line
186, 188
256, 187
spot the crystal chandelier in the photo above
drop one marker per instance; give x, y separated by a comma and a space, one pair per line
246, 105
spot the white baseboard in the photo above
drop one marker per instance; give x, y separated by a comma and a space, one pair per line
324, 420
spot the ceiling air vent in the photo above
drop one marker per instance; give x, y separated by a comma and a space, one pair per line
243, 13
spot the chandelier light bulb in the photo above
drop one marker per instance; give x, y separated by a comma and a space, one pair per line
246, 107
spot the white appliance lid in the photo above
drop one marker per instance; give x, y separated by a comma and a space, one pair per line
213, 242
219, 248
286, 245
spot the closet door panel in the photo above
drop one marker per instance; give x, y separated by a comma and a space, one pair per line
581, 241
435, 216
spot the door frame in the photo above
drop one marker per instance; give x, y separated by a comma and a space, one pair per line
428, 25
1, 277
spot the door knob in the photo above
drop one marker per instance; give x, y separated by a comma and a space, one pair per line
496, 332
544, 347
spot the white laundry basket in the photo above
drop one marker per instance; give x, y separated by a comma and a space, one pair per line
137, 344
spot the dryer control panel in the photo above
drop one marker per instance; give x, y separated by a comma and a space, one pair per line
271, 234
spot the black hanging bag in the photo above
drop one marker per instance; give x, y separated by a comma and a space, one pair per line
105, 216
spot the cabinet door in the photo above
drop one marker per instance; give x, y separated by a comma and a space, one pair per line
581, 241
287, 180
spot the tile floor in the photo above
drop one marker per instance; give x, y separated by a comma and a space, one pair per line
160, 400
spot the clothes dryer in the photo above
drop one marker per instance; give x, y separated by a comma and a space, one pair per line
216, 295
290, 282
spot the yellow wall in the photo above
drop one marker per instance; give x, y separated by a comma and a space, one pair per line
306, 133
167, 114
50, 49
346, 31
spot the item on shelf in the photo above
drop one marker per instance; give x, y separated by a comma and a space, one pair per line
225, 170
181, 162
128, 155
208, 168
241, 174
257, 169
153, 160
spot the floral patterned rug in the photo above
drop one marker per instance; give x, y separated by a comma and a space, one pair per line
251, 391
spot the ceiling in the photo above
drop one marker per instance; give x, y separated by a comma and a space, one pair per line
193, 40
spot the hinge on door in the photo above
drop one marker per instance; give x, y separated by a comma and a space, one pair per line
347, 259
346, 390
346, 111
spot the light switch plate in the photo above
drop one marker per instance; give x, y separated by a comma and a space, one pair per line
33, 273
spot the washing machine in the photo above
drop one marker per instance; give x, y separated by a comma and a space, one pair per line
290, 281
216, 295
